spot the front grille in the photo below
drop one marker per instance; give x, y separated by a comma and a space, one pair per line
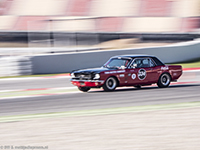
83, 76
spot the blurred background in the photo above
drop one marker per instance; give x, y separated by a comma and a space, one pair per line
152, 16
31, 27
69, 23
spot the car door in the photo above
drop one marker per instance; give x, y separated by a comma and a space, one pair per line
141, 71
154, 72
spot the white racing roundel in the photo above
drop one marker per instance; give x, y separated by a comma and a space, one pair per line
142, 74
133, 76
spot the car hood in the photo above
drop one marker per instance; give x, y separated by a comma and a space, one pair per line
92, 70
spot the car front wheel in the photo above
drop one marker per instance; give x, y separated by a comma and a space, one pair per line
164, 80
110, 84
84, 89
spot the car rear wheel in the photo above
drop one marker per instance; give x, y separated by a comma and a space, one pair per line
164, 80
84, 89
110, 84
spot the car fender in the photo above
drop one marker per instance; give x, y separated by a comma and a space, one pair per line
111, 75
167, 72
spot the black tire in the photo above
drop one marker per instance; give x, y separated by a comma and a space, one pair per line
110, 84
164, 80
84, 89
137, 86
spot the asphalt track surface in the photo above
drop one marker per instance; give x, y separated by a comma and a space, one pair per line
186, 90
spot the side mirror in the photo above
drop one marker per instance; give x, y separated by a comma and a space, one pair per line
134, 65
123, 67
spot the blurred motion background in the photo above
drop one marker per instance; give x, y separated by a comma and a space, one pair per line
68, 23
151, 16
30, 27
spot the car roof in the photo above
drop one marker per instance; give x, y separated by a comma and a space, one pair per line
133, 56
156, 60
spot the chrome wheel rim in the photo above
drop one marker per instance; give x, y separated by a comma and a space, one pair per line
165, 79
111, 83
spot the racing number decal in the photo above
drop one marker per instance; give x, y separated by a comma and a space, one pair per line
133, 76
142, 74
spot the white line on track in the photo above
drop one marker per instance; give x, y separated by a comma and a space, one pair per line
61, 93
39, 95
33, 78
38, 89
59, 88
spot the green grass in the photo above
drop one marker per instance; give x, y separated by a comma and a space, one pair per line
190, 65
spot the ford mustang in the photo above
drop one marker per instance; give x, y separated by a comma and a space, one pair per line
127, 70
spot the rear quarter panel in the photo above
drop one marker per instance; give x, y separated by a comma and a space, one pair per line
175, 71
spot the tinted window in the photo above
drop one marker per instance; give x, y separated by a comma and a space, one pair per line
141, 63
157, 61
152, 64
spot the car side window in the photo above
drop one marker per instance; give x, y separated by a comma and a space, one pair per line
145, 63
152, 64
142, 63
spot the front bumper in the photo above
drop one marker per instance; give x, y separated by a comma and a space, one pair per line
87, 83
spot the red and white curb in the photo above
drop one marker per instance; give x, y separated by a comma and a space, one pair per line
65, 92
47, 92
191, 69
38, 89
55, 91
38, 95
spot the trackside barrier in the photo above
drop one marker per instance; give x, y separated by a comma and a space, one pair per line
61, 63
67, 62
15, 66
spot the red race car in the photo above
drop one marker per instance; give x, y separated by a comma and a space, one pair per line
127, 70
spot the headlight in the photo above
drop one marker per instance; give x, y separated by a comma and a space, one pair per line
72, 75
97, 76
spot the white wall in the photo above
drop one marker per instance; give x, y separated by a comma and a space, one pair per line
59, 63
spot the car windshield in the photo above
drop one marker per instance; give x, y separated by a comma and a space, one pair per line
117, 63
